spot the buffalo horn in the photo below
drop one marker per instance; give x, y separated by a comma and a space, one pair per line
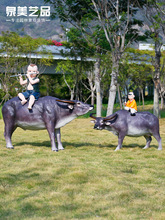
66, 101
109, 118
91, 115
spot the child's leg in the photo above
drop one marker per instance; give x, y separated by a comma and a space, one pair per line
22, 97
126, 108
133, 111
31, 102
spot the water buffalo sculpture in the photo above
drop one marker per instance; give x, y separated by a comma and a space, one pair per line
122, 124
48, 113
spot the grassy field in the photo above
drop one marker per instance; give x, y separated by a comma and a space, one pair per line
88, 180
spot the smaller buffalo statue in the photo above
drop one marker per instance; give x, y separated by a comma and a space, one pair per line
48, 113
122, 124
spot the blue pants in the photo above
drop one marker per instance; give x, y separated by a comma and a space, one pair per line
28, 93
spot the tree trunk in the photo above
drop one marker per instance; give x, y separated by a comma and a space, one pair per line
113, 87
119, 96
77, 87
91, 80
92, 97
142, 97
139, 96
98, 87
72, 90
72, 94
156, 101
162, 103
157, 77
112, 96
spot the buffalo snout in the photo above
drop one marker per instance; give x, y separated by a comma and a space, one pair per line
91, 107
97, 127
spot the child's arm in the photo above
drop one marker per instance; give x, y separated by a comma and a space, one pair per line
21, 81
127, 103
32, 81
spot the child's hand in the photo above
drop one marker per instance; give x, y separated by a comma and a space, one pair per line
28, 74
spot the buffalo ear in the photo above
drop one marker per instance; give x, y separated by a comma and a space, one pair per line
108, 123
70, 106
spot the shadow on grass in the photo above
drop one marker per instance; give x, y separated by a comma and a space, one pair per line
65, 144
79, 144
139, 146
35, 144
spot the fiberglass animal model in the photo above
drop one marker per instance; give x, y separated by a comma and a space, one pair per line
122, 124
48, 113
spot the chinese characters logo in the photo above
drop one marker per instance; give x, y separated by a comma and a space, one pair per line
28, 14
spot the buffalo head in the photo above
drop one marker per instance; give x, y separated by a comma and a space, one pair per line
77, 107
101, 123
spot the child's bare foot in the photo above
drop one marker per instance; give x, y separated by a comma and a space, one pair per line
23, 102
29, 107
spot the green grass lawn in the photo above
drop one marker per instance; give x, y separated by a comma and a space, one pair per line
88, 180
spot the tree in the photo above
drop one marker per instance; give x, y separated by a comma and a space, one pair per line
90, 76
78, 50
13, 49
116, 18
160, 6
79, 47
162, 81
9, 62
71, 71
155, 22
140, 76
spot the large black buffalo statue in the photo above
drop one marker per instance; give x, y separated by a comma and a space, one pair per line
122, 124
48, 113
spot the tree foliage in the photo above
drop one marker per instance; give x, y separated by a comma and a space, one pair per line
153, 11
16, 54
106, 25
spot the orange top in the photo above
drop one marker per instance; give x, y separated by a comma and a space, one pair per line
131, 104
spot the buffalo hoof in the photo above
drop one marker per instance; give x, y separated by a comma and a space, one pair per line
61, 148
9, 147
117, 148
146, 147
159, 148
55, 150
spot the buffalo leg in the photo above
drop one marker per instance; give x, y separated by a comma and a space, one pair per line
9, 129
148, 141
51, 132
120, 141
58, 138
158, 138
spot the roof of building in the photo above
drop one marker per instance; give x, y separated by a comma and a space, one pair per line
55, 52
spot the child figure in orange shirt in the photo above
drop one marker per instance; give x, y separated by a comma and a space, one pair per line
131, 105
